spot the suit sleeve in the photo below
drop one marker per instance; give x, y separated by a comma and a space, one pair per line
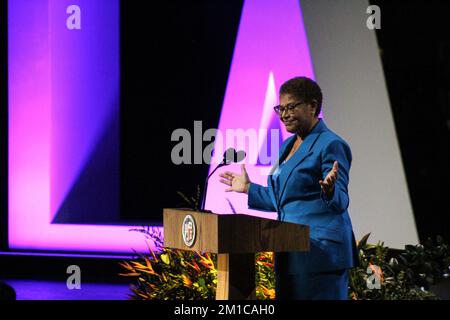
259, 198
337, 151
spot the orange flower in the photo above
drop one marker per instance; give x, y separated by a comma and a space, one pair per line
206, 261
267, 264
196, 267
126, 265
186, 281
265, 256
131, 274
207, 264
270, 293
153, 254
149, 265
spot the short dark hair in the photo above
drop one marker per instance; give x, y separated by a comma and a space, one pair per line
305, 89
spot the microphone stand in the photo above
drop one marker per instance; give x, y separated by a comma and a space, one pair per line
226, 161
205, 187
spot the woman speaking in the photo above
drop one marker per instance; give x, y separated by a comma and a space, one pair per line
308, 185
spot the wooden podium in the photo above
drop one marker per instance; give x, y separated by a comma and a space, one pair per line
235, 238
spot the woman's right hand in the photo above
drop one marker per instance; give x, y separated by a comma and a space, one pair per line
238, 183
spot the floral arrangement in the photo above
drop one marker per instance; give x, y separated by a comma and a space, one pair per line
382, 274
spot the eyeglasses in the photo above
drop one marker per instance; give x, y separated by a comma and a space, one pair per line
290, 108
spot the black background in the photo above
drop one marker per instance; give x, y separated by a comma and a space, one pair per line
414, 42
176, 56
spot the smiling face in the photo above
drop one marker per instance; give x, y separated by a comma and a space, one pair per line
301, 119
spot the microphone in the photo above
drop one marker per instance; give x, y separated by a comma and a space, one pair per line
229, 156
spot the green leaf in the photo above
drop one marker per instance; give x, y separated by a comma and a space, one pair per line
363, 241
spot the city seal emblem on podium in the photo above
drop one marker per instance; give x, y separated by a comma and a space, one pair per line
189, 230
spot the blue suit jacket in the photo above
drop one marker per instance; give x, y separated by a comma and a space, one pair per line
299, 199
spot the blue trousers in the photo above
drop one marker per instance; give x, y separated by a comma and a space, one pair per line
329, 285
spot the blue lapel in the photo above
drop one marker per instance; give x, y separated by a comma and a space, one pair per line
299, 155
283, 153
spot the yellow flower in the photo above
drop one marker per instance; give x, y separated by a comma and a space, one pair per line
269, 293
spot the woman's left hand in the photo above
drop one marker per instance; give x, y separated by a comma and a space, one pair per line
328, 183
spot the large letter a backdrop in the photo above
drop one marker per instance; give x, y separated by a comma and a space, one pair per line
63, 126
